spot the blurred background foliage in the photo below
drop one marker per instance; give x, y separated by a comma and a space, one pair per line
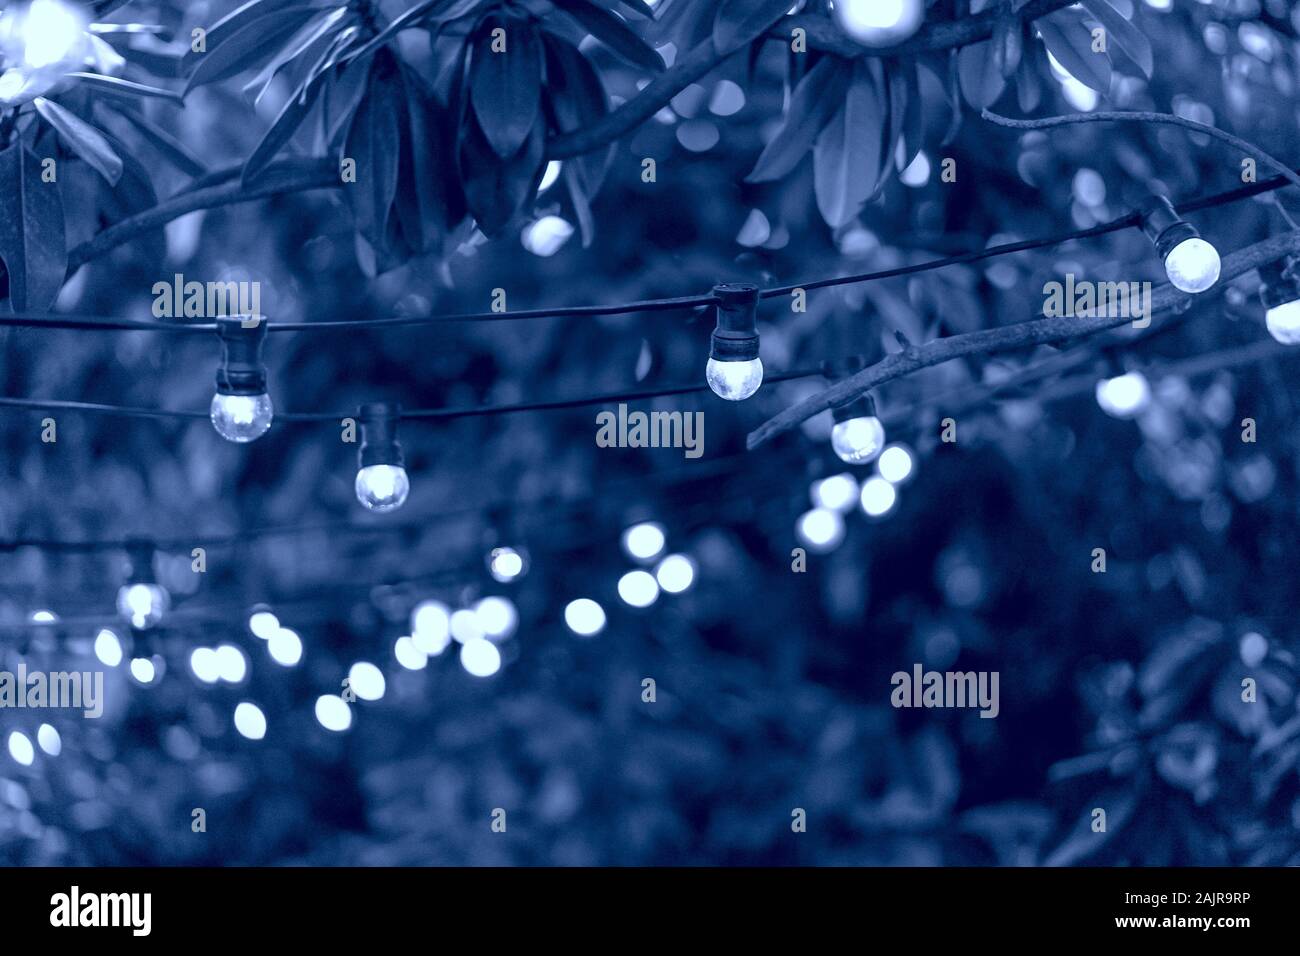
1119, 690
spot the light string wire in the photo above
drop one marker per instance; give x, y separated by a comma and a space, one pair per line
87, 322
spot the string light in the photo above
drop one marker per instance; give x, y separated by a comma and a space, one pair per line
877, 23
1191, 263
141, 601
1280, 293
241, 409
858, 436
382, 484
734, 370
1124, 396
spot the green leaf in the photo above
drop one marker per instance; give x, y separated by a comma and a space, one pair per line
291, 115
981, 79
496, 189
373, 141
248, 45
176, 152
818, 95
346, 86
1130, 39
1008, 44
312, 38
741, 22
914, 116
505, 88
428, 198
82, 138
1068, 38
639, 6
31, 231
581, 204
230, 24
124, 89
612, 32
848, 159
577, 99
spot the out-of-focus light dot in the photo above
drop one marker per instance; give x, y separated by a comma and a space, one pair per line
108, 648
698, 135
1124, 396
838, 492
675, 573
547, 236
644, 541
917, 173
143, 670
1254, 648
263, 624
465, 626
638, 588
480, 657
44, 617
250, 721
50, 741
285, 647
366, 680
584, 617
21, 749
727, 100
431, 625
408, 655
333, 713
895, 464
505, 564
1283, 322
497, 616
820, 529
1089, 187
552, 174
205, 665
231, 663
878, 496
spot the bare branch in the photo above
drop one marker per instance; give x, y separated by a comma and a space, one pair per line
1010, 337
1139, 116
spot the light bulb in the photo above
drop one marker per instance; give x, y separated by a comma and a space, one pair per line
1283, 322
1124, 396
879, 22
141, 604
241, 418
734, 381
382, 487
858, 441
1193, 265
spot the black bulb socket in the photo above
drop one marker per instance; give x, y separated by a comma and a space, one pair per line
241, 371
379, 444
735, 338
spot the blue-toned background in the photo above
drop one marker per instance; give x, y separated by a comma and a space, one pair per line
1119, 690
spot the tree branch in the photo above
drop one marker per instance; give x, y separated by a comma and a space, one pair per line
1139, 116
1008, 338
823, 35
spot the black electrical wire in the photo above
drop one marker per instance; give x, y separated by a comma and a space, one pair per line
81, 322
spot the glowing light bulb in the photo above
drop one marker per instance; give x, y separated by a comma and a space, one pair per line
382, 487
1283, 322
734, 381
241, 418
142, 604
1193, 265
858, 441
382, 484
879, 22
1124, 396
821, 530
